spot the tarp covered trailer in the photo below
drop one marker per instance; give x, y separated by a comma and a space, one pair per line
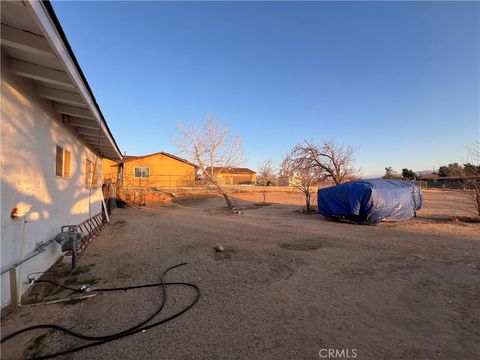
370, 201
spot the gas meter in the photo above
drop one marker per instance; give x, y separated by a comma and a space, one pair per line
69, 238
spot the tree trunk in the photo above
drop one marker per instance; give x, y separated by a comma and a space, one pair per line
229, 202
221, 192
307, 201
477, 198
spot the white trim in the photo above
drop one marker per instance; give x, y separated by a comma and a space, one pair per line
64, 150
73, 111
60, 96
42, 73
23, 40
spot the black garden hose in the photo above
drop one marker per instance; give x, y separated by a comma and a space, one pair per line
98, 340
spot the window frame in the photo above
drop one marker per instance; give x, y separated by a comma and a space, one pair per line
141, 172
66, 163
91, 174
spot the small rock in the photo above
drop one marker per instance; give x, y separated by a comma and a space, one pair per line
219, 248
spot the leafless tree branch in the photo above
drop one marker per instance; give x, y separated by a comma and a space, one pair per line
210, 146
331, 160
472, 183
303, 176
266, 173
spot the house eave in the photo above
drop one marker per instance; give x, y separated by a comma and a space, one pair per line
37, 49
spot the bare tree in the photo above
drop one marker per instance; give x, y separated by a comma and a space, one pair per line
211, 147
331, 160
304, 176
266, 173
476, 196
472, 179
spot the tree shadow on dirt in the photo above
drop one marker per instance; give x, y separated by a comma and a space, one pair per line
450, 219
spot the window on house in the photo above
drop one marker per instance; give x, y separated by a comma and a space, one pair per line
141, 172
91, 175
62, 162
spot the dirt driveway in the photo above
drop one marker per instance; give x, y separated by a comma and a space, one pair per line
287, 286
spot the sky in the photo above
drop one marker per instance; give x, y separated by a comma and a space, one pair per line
398, 81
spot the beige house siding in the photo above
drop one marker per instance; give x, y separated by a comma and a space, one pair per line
163, 171
109, 170
237, 179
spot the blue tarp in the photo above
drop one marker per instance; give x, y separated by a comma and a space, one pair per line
370, 201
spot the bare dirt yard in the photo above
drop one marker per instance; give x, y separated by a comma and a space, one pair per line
287, 285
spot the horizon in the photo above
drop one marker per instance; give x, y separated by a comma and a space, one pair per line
399, 82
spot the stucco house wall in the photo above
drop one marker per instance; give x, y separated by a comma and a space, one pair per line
30, 132
109, 170
237, 179
164, 171
288, 181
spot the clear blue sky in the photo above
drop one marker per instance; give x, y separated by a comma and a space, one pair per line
398, 81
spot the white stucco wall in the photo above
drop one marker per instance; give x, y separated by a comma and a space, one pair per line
30, 132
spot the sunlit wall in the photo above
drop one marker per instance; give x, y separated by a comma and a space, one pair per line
30, 132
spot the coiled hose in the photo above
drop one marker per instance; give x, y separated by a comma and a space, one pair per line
98, 340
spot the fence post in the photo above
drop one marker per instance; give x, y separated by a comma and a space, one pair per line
13, 290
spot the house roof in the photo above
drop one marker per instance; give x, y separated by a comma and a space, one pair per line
127, 158
37, 49
130, 157
233, 170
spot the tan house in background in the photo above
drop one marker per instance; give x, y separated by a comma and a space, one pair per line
160, 169
235, 176
109, 170
291, 180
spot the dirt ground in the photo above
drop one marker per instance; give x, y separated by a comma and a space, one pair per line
287, 286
